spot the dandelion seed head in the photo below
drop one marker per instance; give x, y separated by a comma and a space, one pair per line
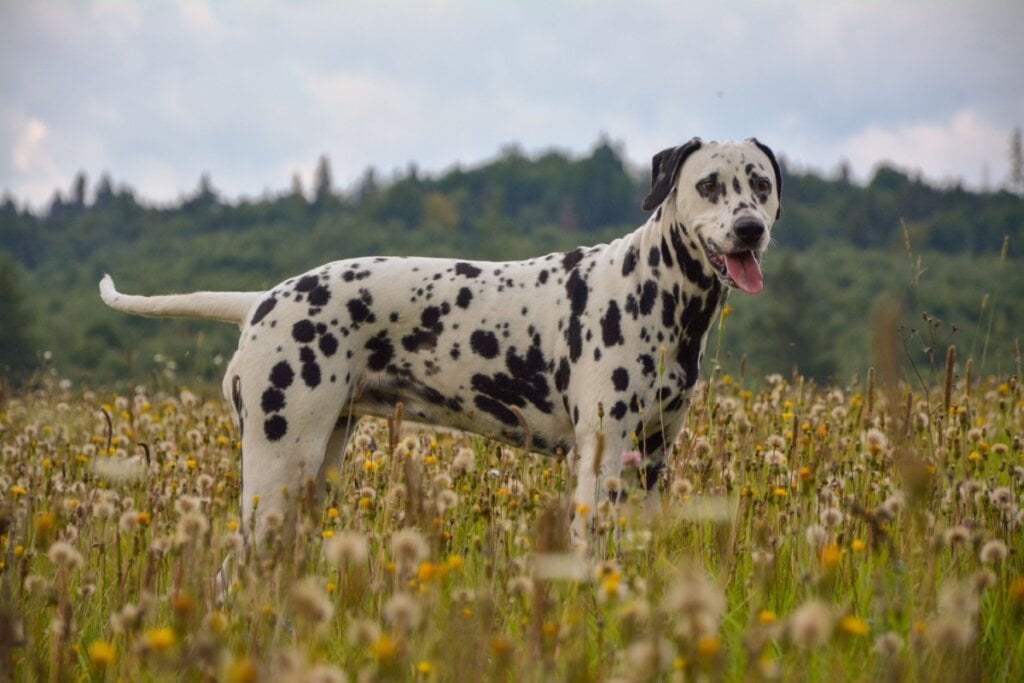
362, 632
950, 633
34, 583
520, 586
831, 517
464, 461
958, 600
64, 555
993, 552
889, 644
1001, 497
681, 487
957, 535
310, 601
186, 504
233, 542
409, 548
347, 549
695, 605
816, 535
810, 625
403, 612
894, 504
875, 441
446, 500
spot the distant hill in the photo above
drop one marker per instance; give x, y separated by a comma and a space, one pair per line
941, 257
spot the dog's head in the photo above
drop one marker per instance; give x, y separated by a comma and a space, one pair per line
727, 195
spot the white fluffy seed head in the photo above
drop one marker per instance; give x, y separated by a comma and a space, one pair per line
347, 549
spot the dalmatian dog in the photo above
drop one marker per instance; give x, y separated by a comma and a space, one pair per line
586, 354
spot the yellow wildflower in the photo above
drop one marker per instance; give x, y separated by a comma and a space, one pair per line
101, 654
383, 648
160, 639
854, 626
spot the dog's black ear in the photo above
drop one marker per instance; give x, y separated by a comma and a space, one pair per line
775, 167
664, 170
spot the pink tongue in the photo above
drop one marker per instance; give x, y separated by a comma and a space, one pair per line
745, 271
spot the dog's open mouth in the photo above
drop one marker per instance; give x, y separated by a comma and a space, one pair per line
740, 269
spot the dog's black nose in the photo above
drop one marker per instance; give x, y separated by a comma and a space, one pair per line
749, 230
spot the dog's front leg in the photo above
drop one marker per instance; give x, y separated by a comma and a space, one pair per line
592, 464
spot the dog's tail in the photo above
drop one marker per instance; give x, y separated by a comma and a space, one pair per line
229, 307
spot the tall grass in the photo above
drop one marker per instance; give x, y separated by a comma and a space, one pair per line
800, 533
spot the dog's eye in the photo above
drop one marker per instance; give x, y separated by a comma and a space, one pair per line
707, 186
764, 185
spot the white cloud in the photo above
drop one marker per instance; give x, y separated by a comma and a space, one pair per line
965, 146
158, 93
26, 149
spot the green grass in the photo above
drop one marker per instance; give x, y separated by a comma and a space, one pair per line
801, 533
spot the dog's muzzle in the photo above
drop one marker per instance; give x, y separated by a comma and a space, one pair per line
740, 266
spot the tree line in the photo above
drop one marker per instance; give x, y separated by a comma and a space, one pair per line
839, 246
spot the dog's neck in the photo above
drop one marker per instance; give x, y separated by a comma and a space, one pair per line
685, 279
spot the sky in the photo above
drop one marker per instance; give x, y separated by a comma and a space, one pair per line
252, 92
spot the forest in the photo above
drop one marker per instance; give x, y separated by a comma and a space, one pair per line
892, 270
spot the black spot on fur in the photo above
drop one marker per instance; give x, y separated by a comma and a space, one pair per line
418, 340
562, 374
272, 401
265, 307
668, 309
542, 276
496, 408
574, 338
430, 316
571, 258
484, 343
688, 262
666, 255
382, 351
328, 344
307, 283
360, 312
303, 331
464, 298
629, 261
654, 257
611, 329
618, 411
275, 427
576, 289
620, 379
311, 374
648, 295
696, 319
281, 375
467, 269
319, 296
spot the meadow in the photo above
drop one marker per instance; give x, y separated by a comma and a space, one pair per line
867, 532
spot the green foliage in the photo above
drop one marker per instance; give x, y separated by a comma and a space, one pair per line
18, 351
839, 248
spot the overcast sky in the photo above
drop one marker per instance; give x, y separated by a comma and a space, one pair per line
251, 92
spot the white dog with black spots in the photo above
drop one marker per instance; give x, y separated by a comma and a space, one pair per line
586, 354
